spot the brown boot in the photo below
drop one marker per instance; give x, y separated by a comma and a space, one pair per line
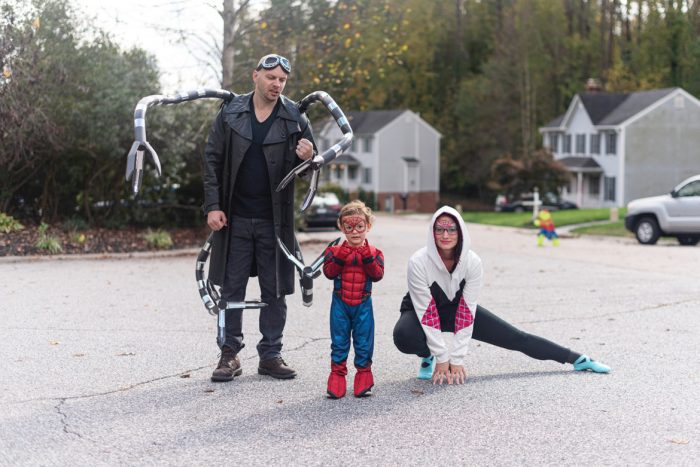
276, 367
228, 367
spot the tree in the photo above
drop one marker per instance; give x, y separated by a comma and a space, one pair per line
514, 177
67, 119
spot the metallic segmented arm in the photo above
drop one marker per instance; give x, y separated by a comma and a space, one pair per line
141, 147
207, 291
307, 274
328, 155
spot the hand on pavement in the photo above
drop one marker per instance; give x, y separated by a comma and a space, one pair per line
442, 373
459, 375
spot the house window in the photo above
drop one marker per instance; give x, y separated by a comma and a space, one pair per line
609, 188
567, 144
352, 172
353, 146
611, 143
554, 142
594, 185
595, 143
367, 144
338, 172
366, 175
581, 144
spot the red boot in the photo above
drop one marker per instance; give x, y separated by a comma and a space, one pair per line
336, 380
363, 381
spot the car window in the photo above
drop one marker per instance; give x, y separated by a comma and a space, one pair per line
325, 199
691, 189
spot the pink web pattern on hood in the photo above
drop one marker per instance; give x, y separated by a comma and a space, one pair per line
463, 317
431, 318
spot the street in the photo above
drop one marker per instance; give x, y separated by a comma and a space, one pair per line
107, 361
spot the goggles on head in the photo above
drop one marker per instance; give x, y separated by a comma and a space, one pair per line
271, 61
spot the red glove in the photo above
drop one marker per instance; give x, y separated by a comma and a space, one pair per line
366, 251
343, 252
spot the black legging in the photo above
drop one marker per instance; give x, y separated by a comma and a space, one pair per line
409, 337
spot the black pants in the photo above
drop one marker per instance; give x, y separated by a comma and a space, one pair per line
254, 240
409, 337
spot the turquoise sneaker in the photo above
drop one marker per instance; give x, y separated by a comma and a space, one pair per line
584, 362
427, 365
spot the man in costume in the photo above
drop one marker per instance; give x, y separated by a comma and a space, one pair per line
256, 139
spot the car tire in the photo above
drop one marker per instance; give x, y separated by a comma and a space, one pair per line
688, 240
519, 209
647, 231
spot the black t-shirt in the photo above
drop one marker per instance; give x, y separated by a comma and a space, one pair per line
252, 195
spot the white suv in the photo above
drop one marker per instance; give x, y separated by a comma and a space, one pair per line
674, 214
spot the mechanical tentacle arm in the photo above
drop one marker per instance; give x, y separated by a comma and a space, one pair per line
307, 274
141, 146
212, 298
329, 154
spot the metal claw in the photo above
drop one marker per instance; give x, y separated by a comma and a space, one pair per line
298, 264
313, 186
307, 274
298, 170
134, 163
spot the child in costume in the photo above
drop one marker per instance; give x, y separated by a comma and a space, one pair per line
546, 224
353, 266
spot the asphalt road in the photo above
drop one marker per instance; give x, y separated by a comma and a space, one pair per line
107, 361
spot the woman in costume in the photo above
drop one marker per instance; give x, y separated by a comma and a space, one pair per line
444, 282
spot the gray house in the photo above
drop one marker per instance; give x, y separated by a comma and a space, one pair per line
622, 146
395, 154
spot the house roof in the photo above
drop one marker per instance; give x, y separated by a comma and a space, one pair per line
371, 121
635, 103
605, 109
580, 164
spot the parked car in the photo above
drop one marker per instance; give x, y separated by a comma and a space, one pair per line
323, 211
676, 214
525, 202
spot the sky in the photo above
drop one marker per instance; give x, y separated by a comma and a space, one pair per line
150, 25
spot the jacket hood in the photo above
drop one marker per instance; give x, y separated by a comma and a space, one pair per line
465, 240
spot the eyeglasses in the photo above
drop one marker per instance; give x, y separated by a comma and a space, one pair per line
270, 61
441, 230
359, 227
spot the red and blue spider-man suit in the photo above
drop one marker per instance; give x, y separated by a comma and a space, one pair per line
353, 269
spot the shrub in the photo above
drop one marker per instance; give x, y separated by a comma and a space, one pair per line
47, 242
8, 224
159, 239
74, 224
78, 238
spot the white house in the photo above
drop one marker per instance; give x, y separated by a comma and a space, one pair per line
622, 146
395, 155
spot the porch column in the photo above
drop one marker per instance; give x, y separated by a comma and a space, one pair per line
579, 189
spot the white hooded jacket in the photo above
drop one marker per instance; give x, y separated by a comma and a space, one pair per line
427, 276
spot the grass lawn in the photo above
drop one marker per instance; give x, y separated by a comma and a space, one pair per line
524, 219
613, 229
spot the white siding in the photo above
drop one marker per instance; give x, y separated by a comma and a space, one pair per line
662, 148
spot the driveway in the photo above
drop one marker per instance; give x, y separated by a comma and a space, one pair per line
108, 361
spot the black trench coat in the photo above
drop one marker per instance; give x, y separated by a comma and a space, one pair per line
229, 139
